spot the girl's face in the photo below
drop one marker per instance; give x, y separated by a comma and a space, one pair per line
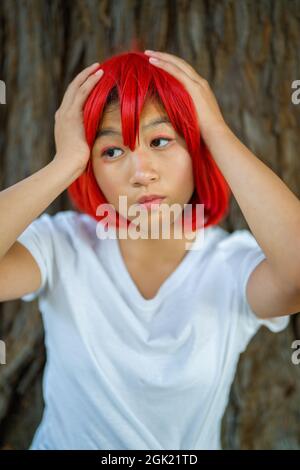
160, 164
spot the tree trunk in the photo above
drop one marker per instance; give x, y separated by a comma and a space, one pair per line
249, 52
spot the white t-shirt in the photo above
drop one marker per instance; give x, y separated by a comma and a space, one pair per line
125, 372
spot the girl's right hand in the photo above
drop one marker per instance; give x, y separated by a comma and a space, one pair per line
70, 140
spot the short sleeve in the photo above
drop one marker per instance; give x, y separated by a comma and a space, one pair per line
242, 253
38, 240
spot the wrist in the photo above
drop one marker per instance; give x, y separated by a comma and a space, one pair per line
215, 131
67, 168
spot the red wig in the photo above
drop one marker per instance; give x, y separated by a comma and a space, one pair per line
131, 79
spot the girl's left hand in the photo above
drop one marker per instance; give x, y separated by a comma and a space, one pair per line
209, 114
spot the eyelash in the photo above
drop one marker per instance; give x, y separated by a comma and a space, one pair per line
104, 153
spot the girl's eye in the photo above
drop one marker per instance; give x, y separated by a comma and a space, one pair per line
161, 138
109, 152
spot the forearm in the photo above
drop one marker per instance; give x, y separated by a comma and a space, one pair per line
23, 202
271, 210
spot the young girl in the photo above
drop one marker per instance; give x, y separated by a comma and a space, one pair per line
143, 335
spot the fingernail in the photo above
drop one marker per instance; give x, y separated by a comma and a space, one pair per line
148, 51
99, 72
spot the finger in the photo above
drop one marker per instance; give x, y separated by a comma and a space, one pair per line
83, 75
77, 82
174, 70
173, 59
186, 67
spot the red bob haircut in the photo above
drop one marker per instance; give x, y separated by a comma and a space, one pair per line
129, 78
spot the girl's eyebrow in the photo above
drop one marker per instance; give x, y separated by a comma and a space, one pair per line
153, 123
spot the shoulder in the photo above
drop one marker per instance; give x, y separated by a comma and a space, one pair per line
229, 242
72, 223
237, 250
234, 247
67, 218
224, 242
64, 228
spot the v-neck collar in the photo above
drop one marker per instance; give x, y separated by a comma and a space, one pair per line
171, 282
